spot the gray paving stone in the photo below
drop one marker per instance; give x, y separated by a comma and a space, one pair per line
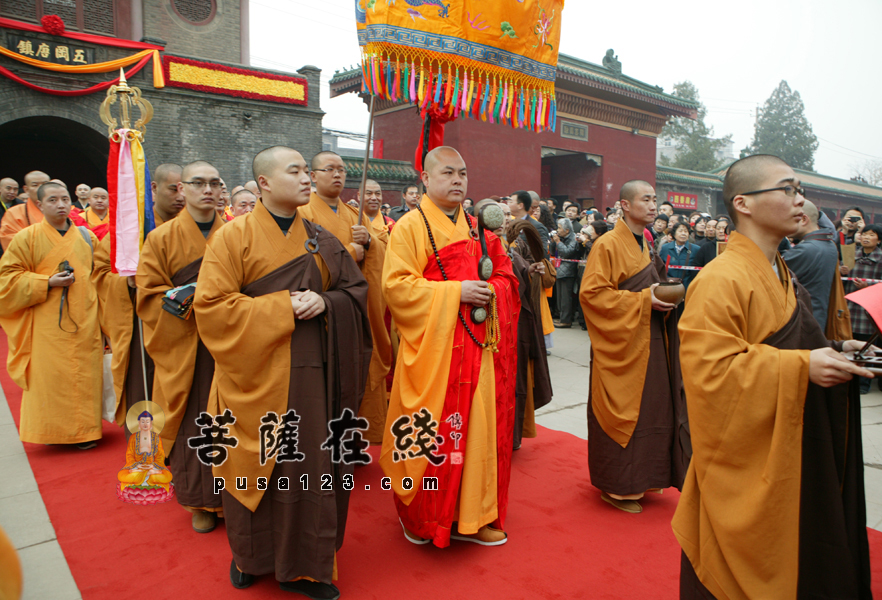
5, 414
15, 471
46, 574
25, 520
9, 442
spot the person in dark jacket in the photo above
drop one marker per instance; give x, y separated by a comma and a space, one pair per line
815, 260
564, 245
679, 252
708, 251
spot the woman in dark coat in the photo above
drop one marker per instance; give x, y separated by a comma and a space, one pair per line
565, 246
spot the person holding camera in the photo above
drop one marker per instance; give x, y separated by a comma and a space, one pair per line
49, 311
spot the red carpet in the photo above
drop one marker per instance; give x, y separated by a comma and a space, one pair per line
564, 541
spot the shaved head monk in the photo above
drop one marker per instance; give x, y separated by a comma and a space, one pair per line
638, 437
243, 202
773, 505
326, 209
49, 313
81, 202
171, 258
8, 193
373, 199
19, 217
457, 326
285, 293
252, 187
96, 217
168, 200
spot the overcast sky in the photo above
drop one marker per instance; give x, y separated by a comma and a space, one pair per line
827, 51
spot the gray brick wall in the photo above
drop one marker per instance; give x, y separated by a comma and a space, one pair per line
186, 125
218, 40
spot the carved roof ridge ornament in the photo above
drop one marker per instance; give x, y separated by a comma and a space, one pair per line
128, 98
611, 62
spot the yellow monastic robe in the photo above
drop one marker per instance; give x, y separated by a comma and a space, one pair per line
17, 218
375, 403
426, 313
618, 324
93, 220
170, 341
379, 228
10, 569
116, 314
738, 516
58, 369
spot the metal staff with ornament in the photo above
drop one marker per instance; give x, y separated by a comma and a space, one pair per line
128, 185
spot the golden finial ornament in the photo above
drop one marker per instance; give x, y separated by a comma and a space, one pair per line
128, 98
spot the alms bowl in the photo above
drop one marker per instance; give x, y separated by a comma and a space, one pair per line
672, 291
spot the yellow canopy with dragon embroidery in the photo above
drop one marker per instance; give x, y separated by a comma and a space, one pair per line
494, 61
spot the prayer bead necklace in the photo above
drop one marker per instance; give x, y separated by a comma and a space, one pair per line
444, 275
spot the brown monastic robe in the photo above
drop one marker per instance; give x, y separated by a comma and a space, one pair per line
269, 362
170, 258
57, 364
773, 504
533, 389
638, 434
376, 400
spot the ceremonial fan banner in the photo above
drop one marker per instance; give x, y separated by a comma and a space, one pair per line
494, 61
131, 201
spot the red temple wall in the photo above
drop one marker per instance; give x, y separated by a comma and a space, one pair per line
502, 160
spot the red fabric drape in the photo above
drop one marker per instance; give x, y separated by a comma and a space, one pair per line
82, 37
436, 134
430, 513
113, 194
89, 90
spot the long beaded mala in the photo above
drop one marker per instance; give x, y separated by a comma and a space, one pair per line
492, 332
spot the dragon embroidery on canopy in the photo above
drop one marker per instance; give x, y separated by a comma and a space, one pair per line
442, 8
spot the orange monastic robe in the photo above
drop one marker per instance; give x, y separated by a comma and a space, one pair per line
738, 517
59, 368
17, 218
375, 403
380, 228
115, 313
170, 341
618, 324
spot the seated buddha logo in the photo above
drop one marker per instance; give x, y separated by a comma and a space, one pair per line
145, 479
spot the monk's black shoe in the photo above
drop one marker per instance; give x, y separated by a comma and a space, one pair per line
312, 589
239, 579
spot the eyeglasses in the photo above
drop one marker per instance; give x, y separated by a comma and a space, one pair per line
214, 184
789, 190
333, 171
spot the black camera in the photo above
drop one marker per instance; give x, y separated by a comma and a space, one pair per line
854, 219
65, 267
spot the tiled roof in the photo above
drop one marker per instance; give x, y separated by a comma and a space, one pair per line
688, 177
381, 169
575, 66
828, 183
